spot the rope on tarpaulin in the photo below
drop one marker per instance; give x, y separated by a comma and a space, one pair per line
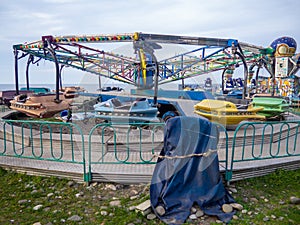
204, 154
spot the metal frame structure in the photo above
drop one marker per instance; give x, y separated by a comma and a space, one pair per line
209, 55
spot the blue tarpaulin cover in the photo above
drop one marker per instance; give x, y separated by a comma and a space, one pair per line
179, 183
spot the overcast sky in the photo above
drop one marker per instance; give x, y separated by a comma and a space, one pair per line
257, 22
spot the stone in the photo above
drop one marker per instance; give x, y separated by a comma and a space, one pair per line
193, 210
50, 195
134, 197
74, 218
37, 207
233, 190
294, 200
133, 193
37, 223
34, 192
193, 217
22, 201
266, 200
71, 183
244, 211
265, 219
111, 187
237, 206
219, 221
104, 213
253, 200
235, 217
160, 210
144, 205
199, 213
227, 208
151, 216
78, 194
116, 203
131, 208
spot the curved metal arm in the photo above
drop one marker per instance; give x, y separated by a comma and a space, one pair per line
30, 60
245, 72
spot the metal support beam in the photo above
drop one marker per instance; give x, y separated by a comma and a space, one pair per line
16, 71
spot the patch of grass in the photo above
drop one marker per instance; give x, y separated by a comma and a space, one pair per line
266, 200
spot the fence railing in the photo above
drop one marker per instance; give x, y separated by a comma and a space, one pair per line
259, 141
41, 140
139, 143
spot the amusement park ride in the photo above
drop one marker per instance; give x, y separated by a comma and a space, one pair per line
146, 71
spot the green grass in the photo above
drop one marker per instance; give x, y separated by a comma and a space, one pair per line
276, 188
19, 193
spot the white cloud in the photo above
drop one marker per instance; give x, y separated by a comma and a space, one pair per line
256, 21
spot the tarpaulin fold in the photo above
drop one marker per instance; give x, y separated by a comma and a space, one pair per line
180, 182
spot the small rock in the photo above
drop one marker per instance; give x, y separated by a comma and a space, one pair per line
22, 201
131, 208
199, 213
160, 210
193, 217
94, 184
281, 218
281, 202
250, 213
146, 212
237, 206
34, 192
37, 207
235, 217
111, 187
265, 219
266, 200
50, 195
253, 200
133, 193
47, 209
294, 200
134, 197
37, 223
219, 221
273, 217
116, 203
144, 205
78, 194
74, 218
104, 213
227, 208
233, 190
244, 211
193, 210
71, 183
151, 216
